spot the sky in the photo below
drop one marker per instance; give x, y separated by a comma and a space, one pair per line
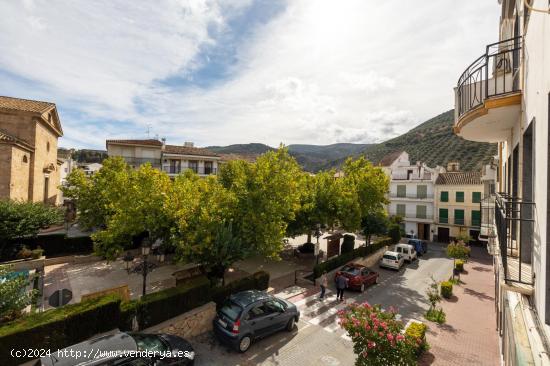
219, 72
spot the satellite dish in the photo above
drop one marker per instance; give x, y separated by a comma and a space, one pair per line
60, 298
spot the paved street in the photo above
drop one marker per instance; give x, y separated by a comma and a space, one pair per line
319, 340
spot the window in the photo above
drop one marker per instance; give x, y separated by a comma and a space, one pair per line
208, 167
256, 312
193, 165
476, 218
400, 210
443, 216
25, 159
48, 146
459, 217
476, 197
421, 191
459, 197
420, 212
46, 189
401, 191
444, 197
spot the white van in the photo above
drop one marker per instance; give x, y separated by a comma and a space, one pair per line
407, 251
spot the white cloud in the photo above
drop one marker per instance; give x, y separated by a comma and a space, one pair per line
319, 72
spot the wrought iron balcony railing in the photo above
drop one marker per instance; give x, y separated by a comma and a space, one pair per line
140, 161
514, 221
494, 73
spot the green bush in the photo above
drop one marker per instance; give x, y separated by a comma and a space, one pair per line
342, 259
446, 289
417, 331
258, 281
394, 232
59, 328
162, 305
59, 244
348, 244
459, 265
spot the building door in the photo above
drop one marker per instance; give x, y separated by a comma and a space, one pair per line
46, 189
443, 234
426, 232
474, 234
420, 231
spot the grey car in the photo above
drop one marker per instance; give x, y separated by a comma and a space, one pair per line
249, 315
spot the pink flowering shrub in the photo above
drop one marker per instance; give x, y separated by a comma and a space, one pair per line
376, 335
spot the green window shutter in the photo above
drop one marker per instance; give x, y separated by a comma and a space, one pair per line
401, 191
443, 216
476, 197
420, 212
459, 196
444, 197
400, 210
421, 191
459, 217
476, 218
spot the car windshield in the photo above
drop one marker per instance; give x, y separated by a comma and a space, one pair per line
148, 342
231, 310
351, 270
388, 256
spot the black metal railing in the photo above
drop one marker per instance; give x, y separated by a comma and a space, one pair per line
140, 161
197, 170
512, 214
492, 74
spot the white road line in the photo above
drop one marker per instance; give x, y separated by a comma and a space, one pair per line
346, 337
309, 298
330, 312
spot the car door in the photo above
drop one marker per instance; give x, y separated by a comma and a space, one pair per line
278, 317
370, 276
365, 278
258, 320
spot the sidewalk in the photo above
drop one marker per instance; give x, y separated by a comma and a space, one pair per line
469, 336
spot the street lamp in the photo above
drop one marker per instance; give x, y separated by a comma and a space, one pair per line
145, 250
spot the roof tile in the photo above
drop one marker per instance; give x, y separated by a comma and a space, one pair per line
26, 105
459, 178
187, 150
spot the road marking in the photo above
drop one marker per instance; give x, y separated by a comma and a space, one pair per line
346, 337
330, 312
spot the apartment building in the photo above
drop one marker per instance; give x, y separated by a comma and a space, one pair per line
411, 193
29, 167
503, 97
458, 205
172, 159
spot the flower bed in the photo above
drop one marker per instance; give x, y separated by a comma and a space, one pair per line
377, 336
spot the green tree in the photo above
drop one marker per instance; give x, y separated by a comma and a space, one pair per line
268, 197
458, 250
96, 198
14, 296
394, 232
23, 219
374, 223
143, 208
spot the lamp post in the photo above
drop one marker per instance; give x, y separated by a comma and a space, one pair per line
145, 249
317, 235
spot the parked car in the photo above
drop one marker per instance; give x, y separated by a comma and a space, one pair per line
407, 251
392, 260
84, 353
420, 246
359, 276
250, 315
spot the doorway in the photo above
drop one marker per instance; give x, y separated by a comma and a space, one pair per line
423, 231
443, 234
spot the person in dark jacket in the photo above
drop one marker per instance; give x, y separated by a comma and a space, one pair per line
341, 285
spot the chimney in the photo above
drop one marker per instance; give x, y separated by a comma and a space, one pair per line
453, 166
163, 140
188, 144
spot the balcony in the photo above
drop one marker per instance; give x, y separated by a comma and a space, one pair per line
411, 196
136, 162
488, 93
175, 170
413, 216
514, 221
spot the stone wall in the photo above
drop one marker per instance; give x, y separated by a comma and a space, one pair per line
188, 325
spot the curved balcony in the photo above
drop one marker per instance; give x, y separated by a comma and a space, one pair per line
488, 93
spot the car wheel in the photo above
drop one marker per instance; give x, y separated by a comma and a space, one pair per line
245, 343
290, 324
362, 289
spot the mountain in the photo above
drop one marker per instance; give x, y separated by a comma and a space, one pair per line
311, 157
432, 142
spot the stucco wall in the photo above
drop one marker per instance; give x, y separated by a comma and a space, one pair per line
43, 157
189, 324
5, 170
19, 175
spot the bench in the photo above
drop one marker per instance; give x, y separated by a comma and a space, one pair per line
184, 275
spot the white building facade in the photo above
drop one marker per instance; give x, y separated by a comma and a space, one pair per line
411, 194
504, 97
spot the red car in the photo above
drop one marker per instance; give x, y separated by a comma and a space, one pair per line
359, 276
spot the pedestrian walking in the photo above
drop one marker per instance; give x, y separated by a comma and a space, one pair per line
341, 285
324, 284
